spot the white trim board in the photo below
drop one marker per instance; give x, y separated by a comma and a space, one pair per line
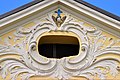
114, 24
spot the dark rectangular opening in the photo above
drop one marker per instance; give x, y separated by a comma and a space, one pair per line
58, 50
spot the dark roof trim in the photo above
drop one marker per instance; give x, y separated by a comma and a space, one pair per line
20, 8
79, 1
98, 9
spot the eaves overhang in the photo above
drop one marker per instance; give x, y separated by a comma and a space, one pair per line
79, 5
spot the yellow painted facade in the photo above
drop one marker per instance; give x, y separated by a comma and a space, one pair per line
11, 34
110, 39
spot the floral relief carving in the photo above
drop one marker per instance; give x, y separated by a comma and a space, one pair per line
85, 64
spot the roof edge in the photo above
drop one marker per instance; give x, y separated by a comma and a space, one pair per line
79, 1
20, 8
99, 9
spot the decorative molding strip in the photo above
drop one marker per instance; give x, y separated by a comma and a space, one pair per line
84, 64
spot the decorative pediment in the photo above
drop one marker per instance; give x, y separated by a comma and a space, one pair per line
19, 53
84, 64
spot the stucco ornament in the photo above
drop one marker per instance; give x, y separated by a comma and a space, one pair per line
85, 64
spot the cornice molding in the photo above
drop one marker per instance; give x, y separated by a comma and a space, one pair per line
114, 24
26, 12
95, 14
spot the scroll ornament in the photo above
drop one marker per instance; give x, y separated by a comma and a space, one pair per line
85, 64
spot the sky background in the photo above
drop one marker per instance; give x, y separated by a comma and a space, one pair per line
112, 6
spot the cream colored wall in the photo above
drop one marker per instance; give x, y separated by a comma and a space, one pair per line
11, 34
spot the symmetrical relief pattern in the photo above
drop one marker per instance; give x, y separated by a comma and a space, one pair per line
85, 64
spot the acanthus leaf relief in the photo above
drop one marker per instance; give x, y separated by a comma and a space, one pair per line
85, 64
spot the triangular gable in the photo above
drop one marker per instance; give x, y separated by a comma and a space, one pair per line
98, 37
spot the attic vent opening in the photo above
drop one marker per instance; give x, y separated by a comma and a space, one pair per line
58, 46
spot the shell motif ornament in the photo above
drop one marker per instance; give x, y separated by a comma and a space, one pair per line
59, 19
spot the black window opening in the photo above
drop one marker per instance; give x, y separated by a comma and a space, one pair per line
58, 46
